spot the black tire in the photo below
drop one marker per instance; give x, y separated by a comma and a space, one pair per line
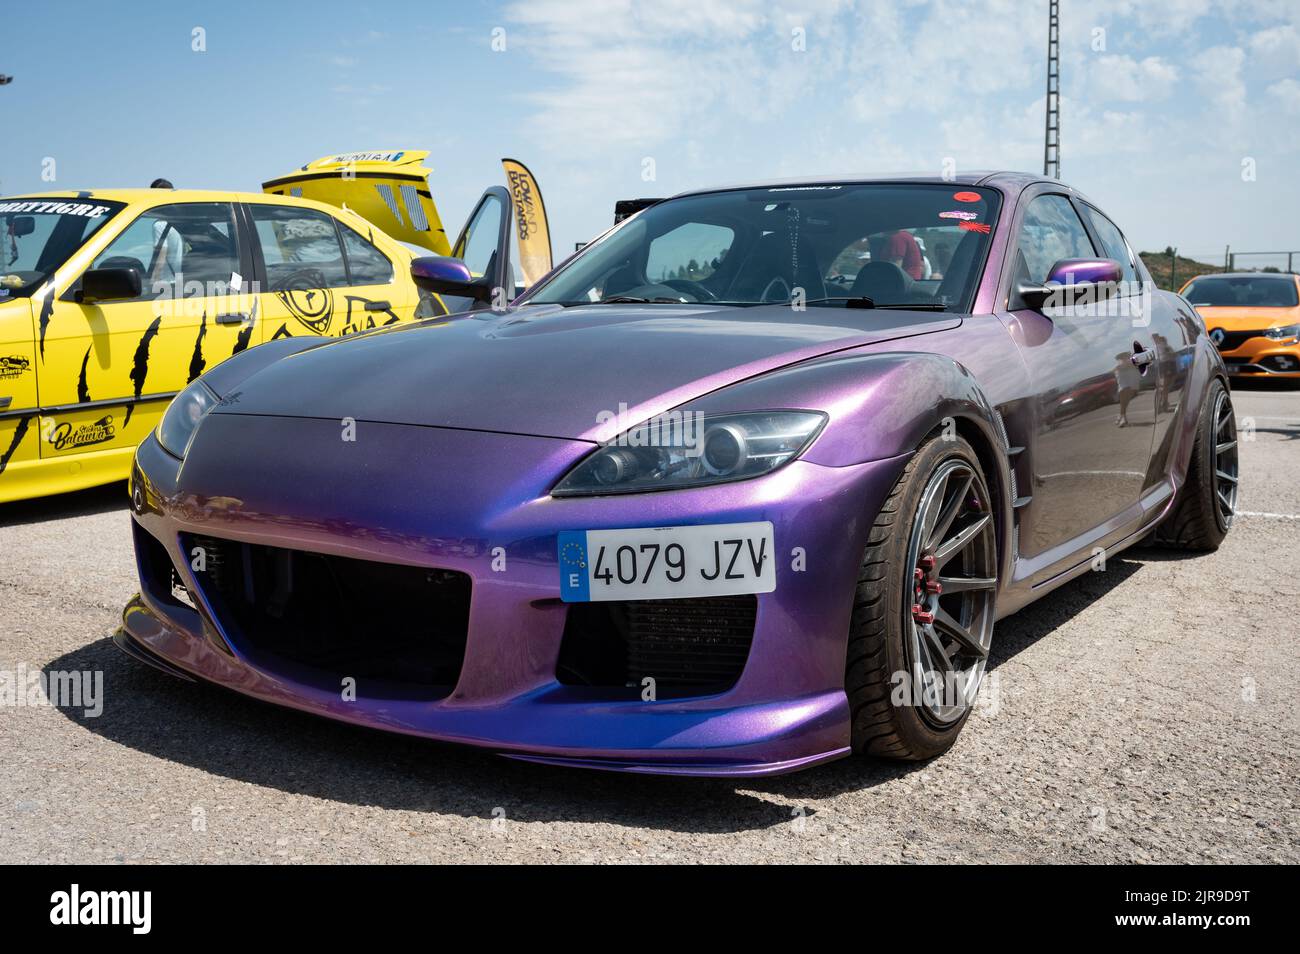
879, 630
1201, 516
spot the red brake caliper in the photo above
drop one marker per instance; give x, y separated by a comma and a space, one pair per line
922, 588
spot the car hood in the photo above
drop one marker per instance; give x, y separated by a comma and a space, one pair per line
576, 373
1241, 318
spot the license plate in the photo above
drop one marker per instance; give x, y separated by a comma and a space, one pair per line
666, 562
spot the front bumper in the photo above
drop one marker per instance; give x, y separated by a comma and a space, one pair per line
1262, 357
393, 504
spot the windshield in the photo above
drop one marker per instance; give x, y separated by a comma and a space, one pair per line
913, 245
39, 235
1243, 291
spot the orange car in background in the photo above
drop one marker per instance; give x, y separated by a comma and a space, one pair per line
1253, 319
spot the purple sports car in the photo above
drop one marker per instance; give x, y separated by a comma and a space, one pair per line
740, 488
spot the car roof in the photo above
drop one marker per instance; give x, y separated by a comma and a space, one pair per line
1279, 275
1005, 180
151, 197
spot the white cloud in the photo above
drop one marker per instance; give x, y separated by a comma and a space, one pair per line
1121, 77
1287, 94
1275, 51
1218, 75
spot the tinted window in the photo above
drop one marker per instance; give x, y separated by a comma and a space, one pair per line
38, 235
300, 247
692, 252
366, 264
1050, 232
178, 250
1112, 242
479, 246
896, 244
1243, 291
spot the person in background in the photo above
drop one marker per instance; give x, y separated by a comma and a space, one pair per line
167, 260
902, 250
926, 269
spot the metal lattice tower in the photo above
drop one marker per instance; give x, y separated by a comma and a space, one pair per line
1052, 135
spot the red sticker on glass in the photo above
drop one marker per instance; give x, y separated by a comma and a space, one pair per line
966, 196
982, 227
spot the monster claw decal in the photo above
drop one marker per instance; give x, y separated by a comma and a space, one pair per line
140, 365
19, 433
282, 332
83, 391
47, 312
241, 343
197, 364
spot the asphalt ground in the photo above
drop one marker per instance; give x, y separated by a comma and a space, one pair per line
1144, 713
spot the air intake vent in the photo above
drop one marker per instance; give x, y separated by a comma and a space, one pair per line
688, 647
400, 631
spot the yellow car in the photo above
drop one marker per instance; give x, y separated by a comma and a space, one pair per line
1253, 318
112, 300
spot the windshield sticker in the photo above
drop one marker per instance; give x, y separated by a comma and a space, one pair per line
959, 214
966, 197
348, 157
982, 227
57, 206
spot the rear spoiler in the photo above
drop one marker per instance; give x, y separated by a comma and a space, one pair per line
624, 208
388, 189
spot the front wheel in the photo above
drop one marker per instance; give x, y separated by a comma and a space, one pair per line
923, 611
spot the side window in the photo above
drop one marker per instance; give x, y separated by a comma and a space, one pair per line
300, 247
478, 248
693, 252
1050, 232
1113, 242
366, 264
186, 250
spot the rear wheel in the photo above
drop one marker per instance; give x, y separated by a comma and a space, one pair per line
1207, 502
923, 613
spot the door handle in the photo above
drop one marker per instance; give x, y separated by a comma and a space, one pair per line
5, 402
233, 318
1141, 359
377, 306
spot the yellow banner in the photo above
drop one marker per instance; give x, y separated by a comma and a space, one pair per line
530, 221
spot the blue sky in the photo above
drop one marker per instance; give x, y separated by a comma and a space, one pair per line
1163, 100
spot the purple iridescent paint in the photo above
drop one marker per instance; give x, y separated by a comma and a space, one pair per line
464, 426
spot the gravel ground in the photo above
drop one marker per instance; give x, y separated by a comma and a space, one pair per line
1147, 713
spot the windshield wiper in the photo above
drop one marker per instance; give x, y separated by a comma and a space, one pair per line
623, 300
634, 300
864, 302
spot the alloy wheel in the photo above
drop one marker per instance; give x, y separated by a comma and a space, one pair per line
1225, 460
948, 606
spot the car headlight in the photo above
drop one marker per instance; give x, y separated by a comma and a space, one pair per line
1283, 332
181, 419
691, 449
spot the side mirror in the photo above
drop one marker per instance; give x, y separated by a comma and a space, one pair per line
1074, 280
22, 225
109, 284
448, 276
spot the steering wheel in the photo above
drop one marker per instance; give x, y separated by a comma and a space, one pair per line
691, 288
